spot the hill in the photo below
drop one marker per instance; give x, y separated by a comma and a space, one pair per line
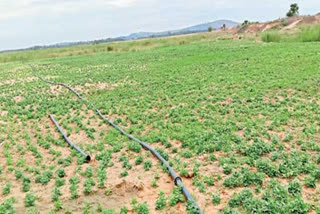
192, 29
282, 24
142, 35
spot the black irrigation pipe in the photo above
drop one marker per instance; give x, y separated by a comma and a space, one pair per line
88, 158
177, 180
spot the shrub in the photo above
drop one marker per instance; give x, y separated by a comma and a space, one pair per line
284, 22
310, 34
271, 37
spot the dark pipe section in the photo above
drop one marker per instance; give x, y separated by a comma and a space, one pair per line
88, 158
177, 180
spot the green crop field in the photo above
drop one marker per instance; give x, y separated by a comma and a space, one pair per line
238, 120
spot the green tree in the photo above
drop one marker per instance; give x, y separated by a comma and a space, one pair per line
209, 29
294, 10
245, 22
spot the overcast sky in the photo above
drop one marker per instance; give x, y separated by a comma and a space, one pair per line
24, 23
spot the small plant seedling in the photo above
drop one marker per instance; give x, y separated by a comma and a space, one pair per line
30, 199
6, 189
161, 201
147, 165
215, 198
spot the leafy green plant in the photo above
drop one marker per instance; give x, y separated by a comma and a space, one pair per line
30, 199
142, 208
267, 167
215, 198
139, 160
88, 184
135, 147
208, 180
6, 206
57, 205
25, 184
61, 173
176, 196
123, 210
74, 181
60, 182
244, 178
294, 187
89, 172
310, 182
18, 174
109, 211
124, 173
161, 201
154, 183
147, 165
56, 193
6, 189
102, 175
192, 208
